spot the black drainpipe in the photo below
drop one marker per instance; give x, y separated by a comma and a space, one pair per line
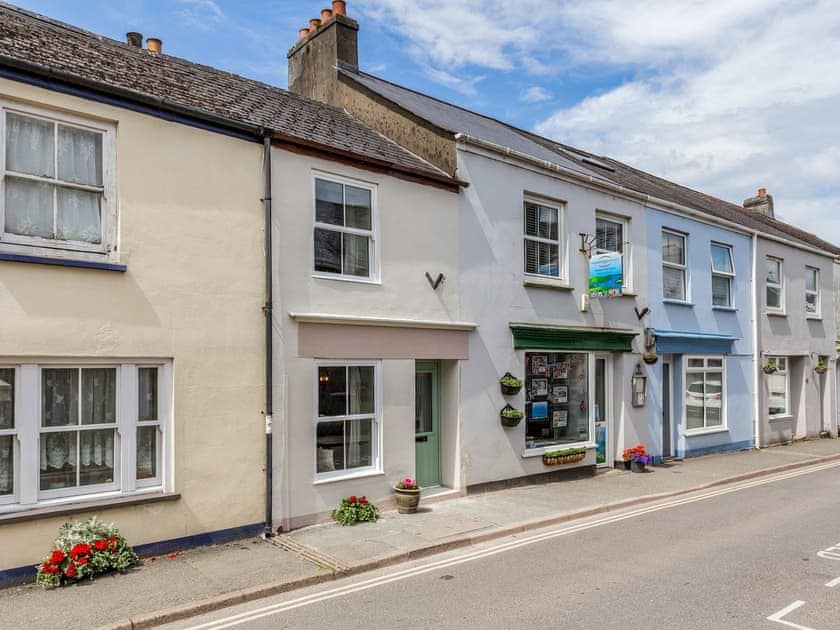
268, 530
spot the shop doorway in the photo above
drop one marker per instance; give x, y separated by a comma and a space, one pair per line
602, 411
427, 423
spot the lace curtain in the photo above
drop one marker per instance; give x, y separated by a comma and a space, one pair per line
47, 210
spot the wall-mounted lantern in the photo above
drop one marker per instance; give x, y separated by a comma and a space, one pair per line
639, 388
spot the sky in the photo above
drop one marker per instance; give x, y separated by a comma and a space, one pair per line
723, 96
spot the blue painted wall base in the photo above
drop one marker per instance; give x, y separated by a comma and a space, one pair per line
22, 575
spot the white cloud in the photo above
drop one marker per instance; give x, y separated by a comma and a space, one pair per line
201, 14
722, 96
535, 94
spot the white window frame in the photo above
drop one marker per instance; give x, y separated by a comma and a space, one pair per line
13, 433
159, 423
376, 433
626, 247
28, 431
683, 268
730, 276
706, 428
786, 373
816, 293
55, 248
372, 234
560, 206
781, 285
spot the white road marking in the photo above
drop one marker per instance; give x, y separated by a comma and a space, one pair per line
833, 583
341, 591
777, 617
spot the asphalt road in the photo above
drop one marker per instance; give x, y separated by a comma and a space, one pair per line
728, 558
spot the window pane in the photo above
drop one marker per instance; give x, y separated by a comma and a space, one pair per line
673, 283
540, 221
774, 297
147, 378
721, 259
58, 460
810, 303
99, 395
356, 255
7, 468
696, 363
330, 446
29, 208
542, 258
60, 397
332, 390
30, 145
423, 398
720, 290
7, 398
327, 251
782, 364
359, 443
96, 452
79, 216
777, 394
79, 156
673, 248
695, 397
147, 440
609, 235
714, 363
773, 271
714, 399
556, 391
329, 202
361, 389
810, 279
358, 208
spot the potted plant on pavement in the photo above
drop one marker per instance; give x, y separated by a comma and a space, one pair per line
354, 510
627, 457
510, 417
821, 367
407, 495
510, 384
639, 458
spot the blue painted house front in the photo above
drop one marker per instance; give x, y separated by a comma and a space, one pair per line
700, 392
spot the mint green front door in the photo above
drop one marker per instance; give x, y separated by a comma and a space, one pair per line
427, 423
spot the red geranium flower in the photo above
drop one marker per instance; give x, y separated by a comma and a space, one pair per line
112, 539
57, 556
82, 549
353, 498
113, 546
49, 569
100, 545
81, 561
363, 500
70, 571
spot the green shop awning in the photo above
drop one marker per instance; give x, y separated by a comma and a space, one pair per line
527, 337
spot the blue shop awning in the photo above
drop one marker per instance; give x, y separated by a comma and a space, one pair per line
683, 342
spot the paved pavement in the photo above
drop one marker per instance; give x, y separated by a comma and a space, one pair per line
759, 554
212, 577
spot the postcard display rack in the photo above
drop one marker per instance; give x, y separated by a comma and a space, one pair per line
556, 398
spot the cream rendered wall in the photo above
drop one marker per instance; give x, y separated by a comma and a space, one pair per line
191, 235
417, 231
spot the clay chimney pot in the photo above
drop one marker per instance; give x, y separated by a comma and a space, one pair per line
326, 14
154, 45
314, 24
339, 7
762, 192
303, 32
134, 39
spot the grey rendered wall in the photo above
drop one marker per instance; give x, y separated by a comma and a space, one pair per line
802, 338
492, 294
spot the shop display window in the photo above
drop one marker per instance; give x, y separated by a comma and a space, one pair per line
556, 398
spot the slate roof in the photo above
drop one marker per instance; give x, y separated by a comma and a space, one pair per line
456, 119
64, 51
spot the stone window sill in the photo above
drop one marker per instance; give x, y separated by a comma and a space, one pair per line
49, 511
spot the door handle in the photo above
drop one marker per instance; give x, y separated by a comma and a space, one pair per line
421, 438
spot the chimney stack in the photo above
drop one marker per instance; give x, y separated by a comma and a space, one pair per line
154, 45
134, 39
762, 203
328, 43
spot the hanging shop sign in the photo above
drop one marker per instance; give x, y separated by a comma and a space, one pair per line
605, 275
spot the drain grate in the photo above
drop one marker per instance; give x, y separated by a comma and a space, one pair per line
316, 557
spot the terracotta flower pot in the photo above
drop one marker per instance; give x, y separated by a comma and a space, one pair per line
407, 500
